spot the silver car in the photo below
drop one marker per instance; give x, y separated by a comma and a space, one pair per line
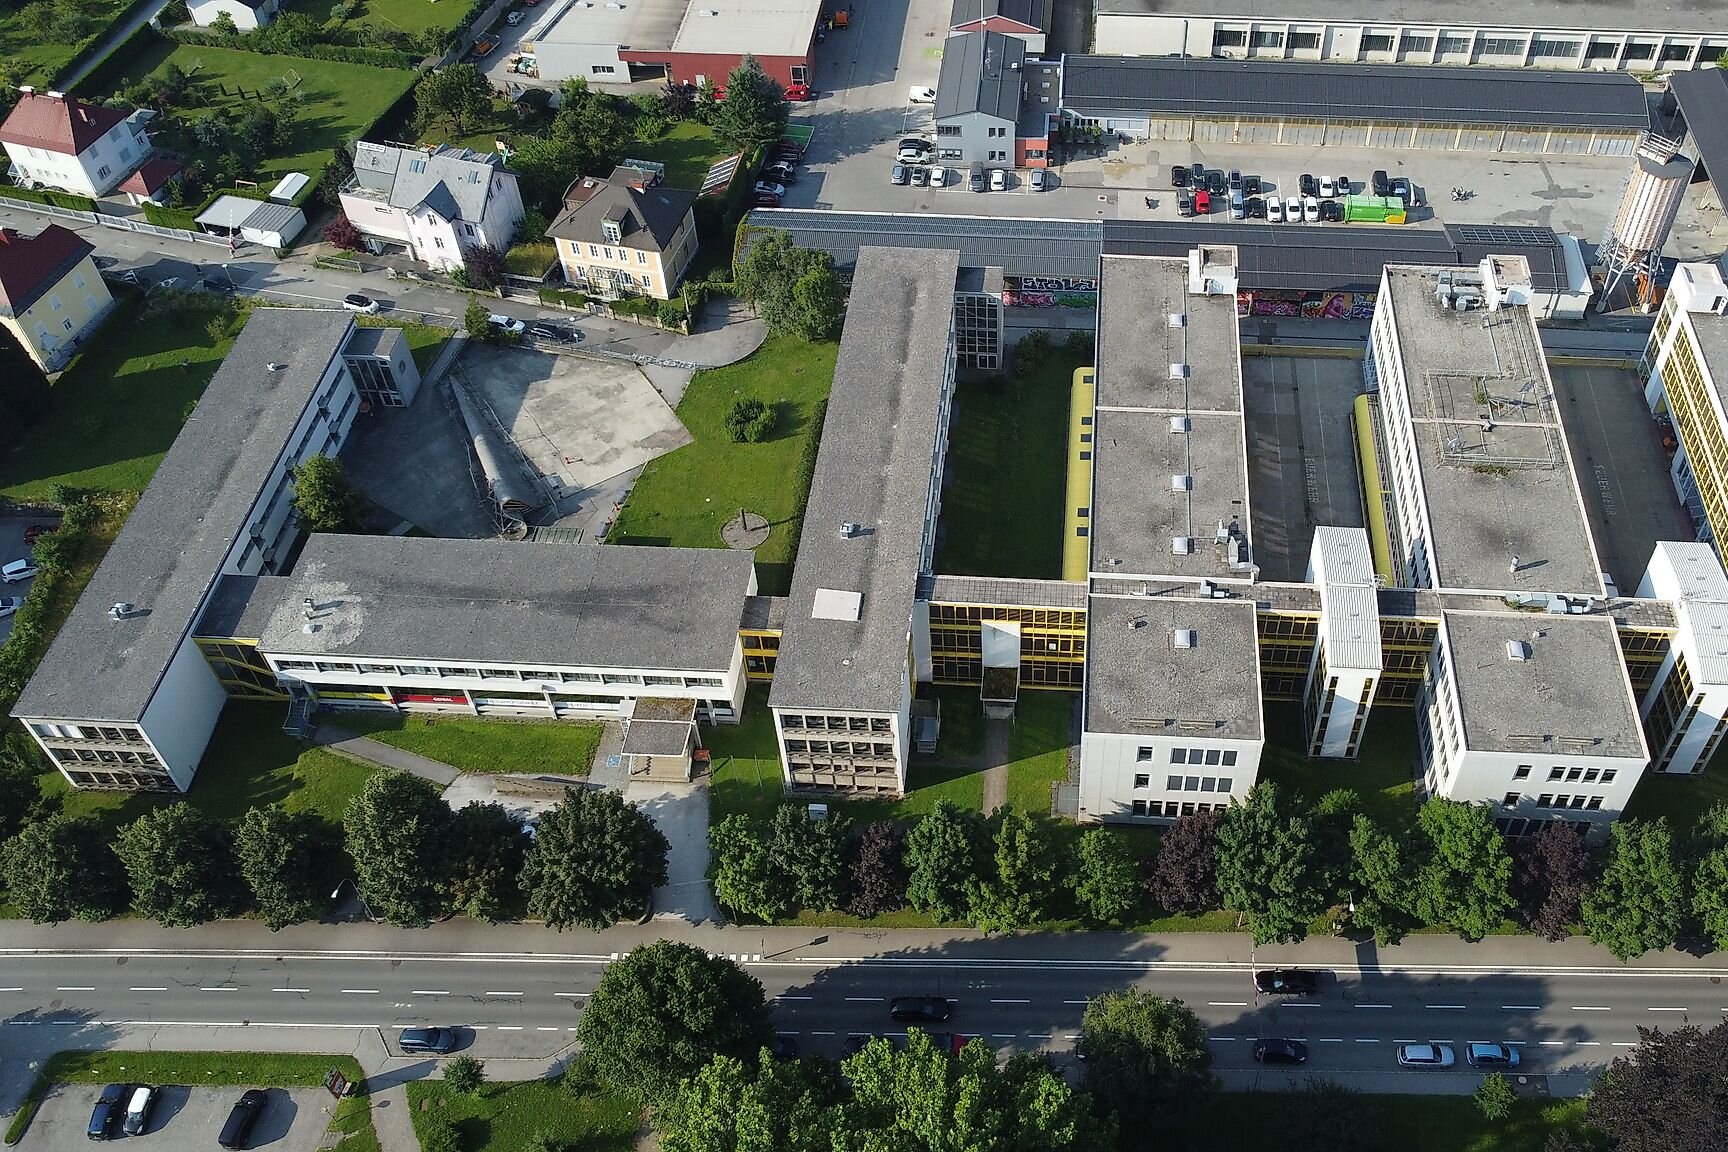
899, 174
1426, 1055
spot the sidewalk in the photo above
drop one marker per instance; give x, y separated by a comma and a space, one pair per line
384, 755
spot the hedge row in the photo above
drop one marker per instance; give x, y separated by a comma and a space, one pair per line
57, 554
57, 199
341, 53
111, 65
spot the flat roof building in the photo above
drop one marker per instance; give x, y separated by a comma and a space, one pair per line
869, 529
1685, 365
685, 42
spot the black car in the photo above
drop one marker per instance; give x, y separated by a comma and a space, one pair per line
555, 334
1287, 982
1381, 185
1251, 185
1331, 210
1256, 208
241, 1118
1184, 203
783, 1048
780, 172
1235, 179
435, 1040
1310, 186
1280, 1052
1179, 176
105, 1116
920, 1009
1215, 182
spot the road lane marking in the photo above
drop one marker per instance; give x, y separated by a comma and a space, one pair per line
1003, 1036
1625, 1044
864, 999
1366, 1040
74, 989
1220, 1037
1667, 1009
1088, 1002
1444, 1007
218, 989
359, 991
577, 995
1552, 1043
1010, 1001
503, 993
1331, 1040
780, 997
149, 989
1520, 1007
509, 1027
1307, 1004
821, 1033
290, 989
1406, 1041
1226, 1003
1589, 1043
20, 990
1039, 1036
426, 992
547, 1028
1373, 1005
1590, 1008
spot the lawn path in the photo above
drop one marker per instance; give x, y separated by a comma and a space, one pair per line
998, 740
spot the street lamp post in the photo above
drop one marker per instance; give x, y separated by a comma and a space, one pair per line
337, 894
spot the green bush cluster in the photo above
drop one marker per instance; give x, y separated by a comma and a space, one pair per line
750, 421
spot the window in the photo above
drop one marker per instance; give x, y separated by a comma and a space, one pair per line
996, 132
1502, 46
1590, 775
1142, 755
1421, 45
1522, 772
1142, 780
67, 324
1578, 801
1305, 40
1139, 807
1542, 46
437, 241
996, 154
602, 69
1212, 756
1556, 773
1602, 50
1595, 804
1510, 800
1637, 51
1562, 801
1376, 42
78, 280
1209, 784
468, 228
1173, 784
1229, 759
1178, 755
607, 252
102, 172
641, 257
1573, 774
1228, 38
1454, 45
1544, 800
947, 129
1266, 40
54, 302
1081, 531
1608, 775
1225, 784
1191, 784
593, 249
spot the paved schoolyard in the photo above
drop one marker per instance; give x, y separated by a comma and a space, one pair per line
294, 1119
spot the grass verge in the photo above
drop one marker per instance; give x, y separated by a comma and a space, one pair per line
559, 747
1408, 1123
962, 731
503, 1117
1043, 722
683, 498
1682, 799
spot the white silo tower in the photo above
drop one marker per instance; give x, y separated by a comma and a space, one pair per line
1651, 198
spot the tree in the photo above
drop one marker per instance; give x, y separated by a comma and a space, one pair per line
594, 123
1666, 1095
1266, 868
818, 300
1495, 1097
596, 860
809, 854
1551, 872
279, 854
1146, 1057
663, 1011
323, 497
544, 167
731, 1106
795, 290
179, 863
484, 265
1021, 888
342, 233
1182, 874
747, 881
754, 112
749, 421
488, 846
1334, 818
333, 176
224, 25
474, 320
21, 801
440, 1136
24, 393
464, 1074
397, 832
1106, 882
458, 93
1710, 896
1639, 903
677, 101
1381, 881
943, 856
1326, 1116
1464, 878
876, 873
61, 867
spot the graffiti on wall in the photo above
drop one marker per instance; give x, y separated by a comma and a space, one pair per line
1049, 292
1307, 305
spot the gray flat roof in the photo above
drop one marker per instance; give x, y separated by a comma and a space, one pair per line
1040, 99
656, 737
612, 606
873, 470
1496, 493
980, 73
171, 549
1571, 695
240, 606
1102, 86
1703, 97
1138, 681
381, 342
1002, 590
1137, 344
1635, 15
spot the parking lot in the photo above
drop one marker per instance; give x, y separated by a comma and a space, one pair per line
12, 547
294, 1119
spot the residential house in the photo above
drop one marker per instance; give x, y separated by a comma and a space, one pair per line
993, 104
61, 142
153, 181
625, 235
51, 295
248, 15
436, 203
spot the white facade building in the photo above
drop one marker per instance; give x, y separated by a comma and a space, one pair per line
1685, 365
1685, 710
1347, 658
248, 15
59, 141
435, 203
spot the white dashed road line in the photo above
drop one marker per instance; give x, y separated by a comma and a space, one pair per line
503, 993
426, 992
1226, 1004
1010, 1001
863, 999
1373, 1005
148, 989
1667, 1009
1444, 1007
1520, 1007
74, 989
359, 991
290, 989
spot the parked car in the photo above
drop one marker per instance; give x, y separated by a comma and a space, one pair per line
1401, 189
508, 324
1184, 203
242, 1117
1256, 208
921, 94
1293, 209
138, 1111
9, 605
975, 179
1309, 185
1215, 181
17, 571
1235, 179
1179, 176
1202, 202
938, 177
556, 334
513, 19
1310, 210
780, 172
1343, 185
798, 93
434, 1040
920, 176
998, 179
1238, 206
1328, 187
1038, 180
764, 200
1426, 1055
1287, 981
770, 188
920, 1009
1280, 1051
1251, 185
1274, 210
1331, 210
1380, 184
105, 1116
35, 532
360, 302
899, 174
913, 151
1491, 1055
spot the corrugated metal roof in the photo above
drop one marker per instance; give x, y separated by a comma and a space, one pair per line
1349, 601
1703, 97
1098, 86
1708, 620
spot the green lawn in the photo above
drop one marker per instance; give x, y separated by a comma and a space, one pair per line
688, 150
531, 259
558, 747
343, 100
120, 405
1682, 799
962, 732
1007, 464
500, 122
1382, 774
1043, 722
40, 59
683, 498
505, 1116
250, 761
403, 15
1407, 1123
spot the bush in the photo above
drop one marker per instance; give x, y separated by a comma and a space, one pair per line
464, 1074
750, 421
57, 199
441, 1136
342, 233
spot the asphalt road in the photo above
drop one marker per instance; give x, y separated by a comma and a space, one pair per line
1567, 1022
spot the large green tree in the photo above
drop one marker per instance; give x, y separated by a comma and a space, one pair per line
1019, 884
1464, 877
1266, 864
458, 94
747, 880
61, 867
1639, 903
280, 855
809, 854
766, 1105
755, 109
596, 860
1146, 1061
323, 496
21, 801
398, 833
1105, 877
795, 290
180, 865
1382, 881
944, 854
1710, 896
663, 1011
487, 848
24, 394
1669, 1094
1182, 874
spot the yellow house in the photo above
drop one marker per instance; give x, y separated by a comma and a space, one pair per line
51, 296
625, 235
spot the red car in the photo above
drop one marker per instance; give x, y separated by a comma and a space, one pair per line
36, 531
765, 200
1202, 201
798, 92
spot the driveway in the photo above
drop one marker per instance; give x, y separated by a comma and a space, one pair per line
294, 1120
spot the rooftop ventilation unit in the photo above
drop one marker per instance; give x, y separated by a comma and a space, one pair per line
1184, 637
849, 529
1178, 371
273, 366
1181, 545
1135, 623
1181, 483
120, 611
1517, 650
1178, 319
1180, 424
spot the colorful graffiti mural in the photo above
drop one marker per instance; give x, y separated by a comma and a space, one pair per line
1049, 292
1307, 305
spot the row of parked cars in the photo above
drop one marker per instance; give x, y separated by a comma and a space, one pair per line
913, 166
126, 1108
779, 172
1480, 1055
